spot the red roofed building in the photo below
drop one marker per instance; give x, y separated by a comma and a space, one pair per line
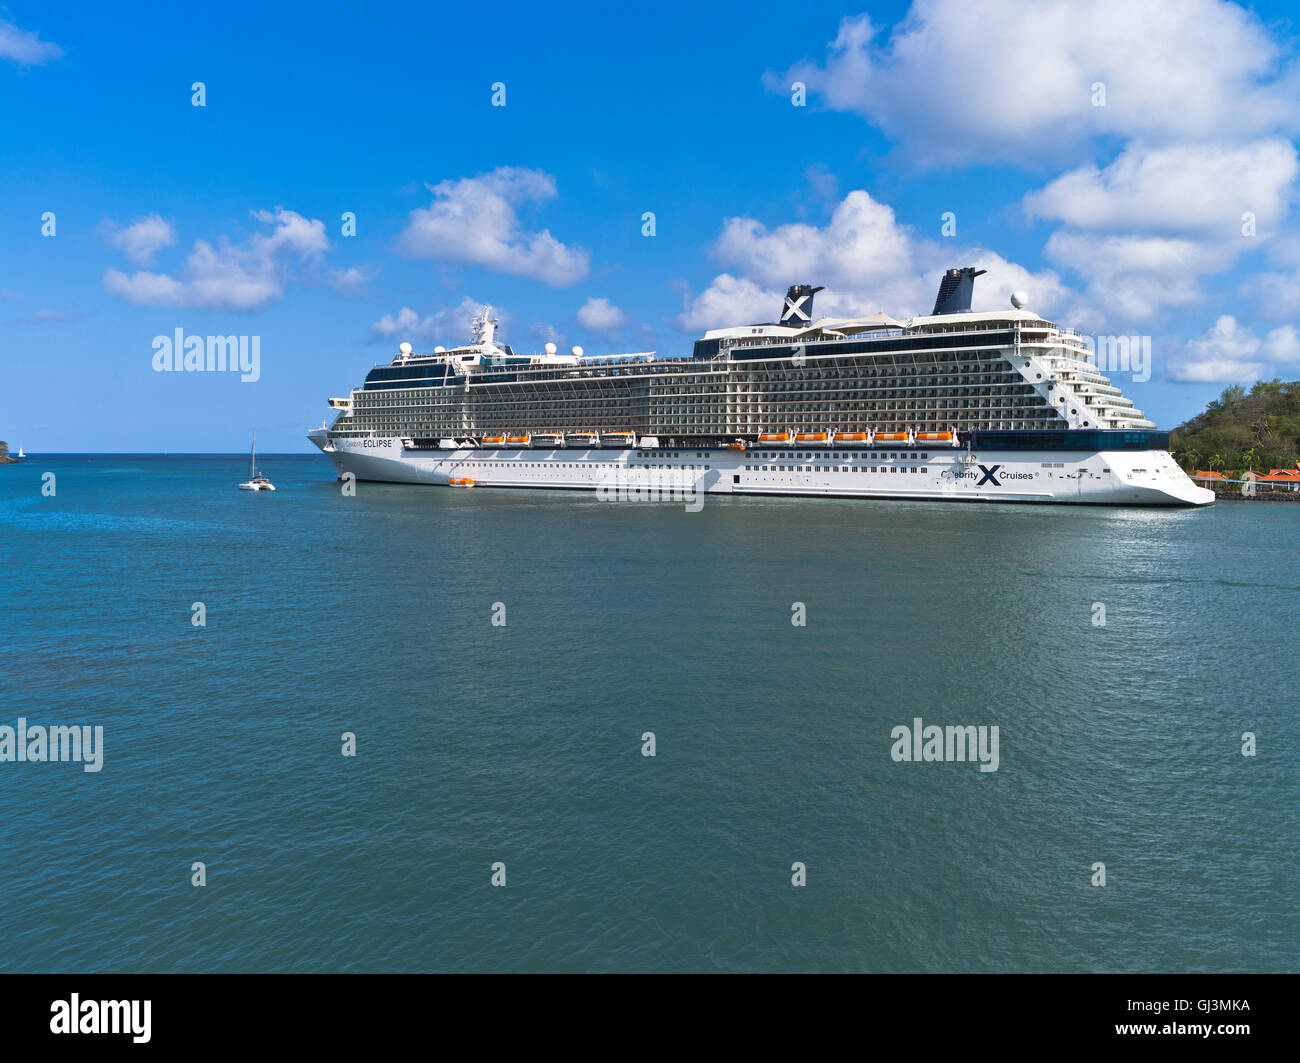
1281, 480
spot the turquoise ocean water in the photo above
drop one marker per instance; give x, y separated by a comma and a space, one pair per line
522, 743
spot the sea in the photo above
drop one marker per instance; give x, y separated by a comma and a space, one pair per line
422, 729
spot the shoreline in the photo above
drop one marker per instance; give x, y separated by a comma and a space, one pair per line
1259, 496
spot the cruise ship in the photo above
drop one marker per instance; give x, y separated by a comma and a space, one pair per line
991, 406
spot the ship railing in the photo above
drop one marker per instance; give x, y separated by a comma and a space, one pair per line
796, 341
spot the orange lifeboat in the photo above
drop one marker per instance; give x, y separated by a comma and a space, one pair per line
812, 438
773, 439
739, 444
518, 441
493, 441
843, 439
893, 437
935, 437
461, 481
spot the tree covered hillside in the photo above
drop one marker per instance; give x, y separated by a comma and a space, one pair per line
1241, 430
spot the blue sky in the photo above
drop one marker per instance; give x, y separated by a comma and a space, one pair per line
1122, 218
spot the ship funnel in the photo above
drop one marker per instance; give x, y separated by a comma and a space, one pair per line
956, 290
798, 305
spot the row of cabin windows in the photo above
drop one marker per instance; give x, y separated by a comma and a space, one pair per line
568, 465
824, 468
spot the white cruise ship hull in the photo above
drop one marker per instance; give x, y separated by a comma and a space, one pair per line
1127, 478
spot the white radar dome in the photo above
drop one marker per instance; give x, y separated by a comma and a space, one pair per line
577, 352
550, 348
1019, 299
440, 350
405, 348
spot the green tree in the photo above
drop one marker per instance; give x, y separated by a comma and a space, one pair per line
1185, 455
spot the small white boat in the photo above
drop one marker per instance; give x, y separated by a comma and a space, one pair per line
20, 453
256, 481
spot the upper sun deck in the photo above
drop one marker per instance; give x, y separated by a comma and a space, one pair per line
952, 316
838, 328
484, 352
952, 320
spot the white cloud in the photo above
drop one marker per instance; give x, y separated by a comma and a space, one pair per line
1282, 345
406, 322
863, 244
1145, 231
727, 301
44, 317
600, 315
547, 333
1005, 80
1274, 295
447, 327
25, 46
865, 259
142, 239
1200, 90
1180, 190
145, 288
823, 184
347, 281
1229, 352
1132, 278
474, 221
238, 276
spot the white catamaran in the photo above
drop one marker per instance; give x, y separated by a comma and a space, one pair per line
256, 481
